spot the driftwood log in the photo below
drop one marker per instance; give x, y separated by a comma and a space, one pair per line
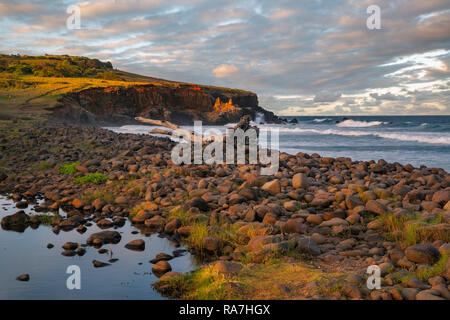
244, 124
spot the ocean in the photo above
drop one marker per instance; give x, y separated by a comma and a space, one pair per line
418, 140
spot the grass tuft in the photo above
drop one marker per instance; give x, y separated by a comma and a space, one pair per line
69, 168
93, 178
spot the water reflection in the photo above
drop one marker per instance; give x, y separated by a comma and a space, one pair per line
27, 250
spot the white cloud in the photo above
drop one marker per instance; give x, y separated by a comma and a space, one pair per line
225, 70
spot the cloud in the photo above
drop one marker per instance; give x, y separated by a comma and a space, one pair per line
327, 97
318, 55
387, 96
225, 70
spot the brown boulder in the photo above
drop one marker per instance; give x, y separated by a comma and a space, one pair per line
352, 202
161, 267
294, 226
138, 245
300, 181
441, 197
422, 253
272, 187
227, 267
376, 207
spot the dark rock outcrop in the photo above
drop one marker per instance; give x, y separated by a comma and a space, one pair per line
179, 104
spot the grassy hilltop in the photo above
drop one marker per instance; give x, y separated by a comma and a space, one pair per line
31, 85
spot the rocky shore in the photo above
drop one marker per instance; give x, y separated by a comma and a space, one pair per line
309, 231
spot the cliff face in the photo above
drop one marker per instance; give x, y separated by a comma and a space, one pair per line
179, 104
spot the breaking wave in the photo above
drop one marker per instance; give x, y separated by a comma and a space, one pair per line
433, 139
359, 124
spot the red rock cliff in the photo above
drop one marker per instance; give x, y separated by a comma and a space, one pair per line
180, 104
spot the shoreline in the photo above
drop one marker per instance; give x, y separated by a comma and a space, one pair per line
371, 142
316, 213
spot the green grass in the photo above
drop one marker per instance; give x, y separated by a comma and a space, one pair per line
414, 228
256, 281
91, 178
435, 270
179, 213
101, 193
48, 220
69, 168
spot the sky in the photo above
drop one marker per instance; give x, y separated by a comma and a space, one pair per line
302, 57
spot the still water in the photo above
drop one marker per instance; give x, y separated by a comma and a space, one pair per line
128, 278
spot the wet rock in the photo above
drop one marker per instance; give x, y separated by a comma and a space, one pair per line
23, 277
99, 264
422, 253
105, 223
50, 245
142, 215
179, 252
170, 274
104, 237
70, 245
81, 229
137, 245
68, 253
22, 204
155, 222
19, 218
161, 257
161, 267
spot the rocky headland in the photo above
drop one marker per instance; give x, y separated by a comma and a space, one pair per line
181, 104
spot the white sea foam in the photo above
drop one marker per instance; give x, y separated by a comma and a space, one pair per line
359, 124
321, 120
417, 137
